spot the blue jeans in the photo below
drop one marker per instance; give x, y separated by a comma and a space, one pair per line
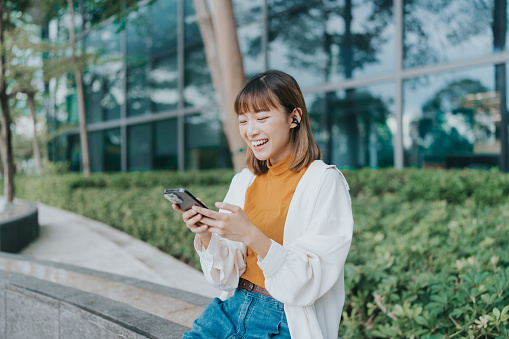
244, 315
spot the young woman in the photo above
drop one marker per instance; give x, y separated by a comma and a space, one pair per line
279, 242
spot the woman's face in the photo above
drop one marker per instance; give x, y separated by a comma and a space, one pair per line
267, 134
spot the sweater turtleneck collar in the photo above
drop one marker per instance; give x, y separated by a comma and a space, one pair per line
281, 167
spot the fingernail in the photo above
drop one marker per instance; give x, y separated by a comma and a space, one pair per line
218, 204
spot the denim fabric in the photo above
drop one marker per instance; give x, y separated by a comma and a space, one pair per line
244, 315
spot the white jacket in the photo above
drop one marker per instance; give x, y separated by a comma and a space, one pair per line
306, 273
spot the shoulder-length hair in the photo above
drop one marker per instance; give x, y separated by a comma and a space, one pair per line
278, 90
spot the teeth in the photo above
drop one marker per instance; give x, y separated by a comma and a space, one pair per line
259, 142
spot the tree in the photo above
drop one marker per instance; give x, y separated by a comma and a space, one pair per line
24, 72
219, 35
9, 18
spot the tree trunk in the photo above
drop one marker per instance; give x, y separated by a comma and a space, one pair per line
85, 155
6, 123
219, 35
37, 152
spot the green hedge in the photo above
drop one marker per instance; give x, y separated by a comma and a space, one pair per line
429, 256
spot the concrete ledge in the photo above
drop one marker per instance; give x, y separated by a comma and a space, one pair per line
18, 229
28, 265
34, 308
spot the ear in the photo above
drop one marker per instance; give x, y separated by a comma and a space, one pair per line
296, 114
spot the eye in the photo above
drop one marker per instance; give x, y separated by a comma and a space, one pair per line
242, 122
262, 118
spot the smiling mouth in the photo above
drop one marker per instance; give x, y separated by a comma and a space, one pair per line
259, 142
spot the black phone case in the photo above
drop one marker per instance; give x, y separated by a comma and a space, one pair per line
187, 199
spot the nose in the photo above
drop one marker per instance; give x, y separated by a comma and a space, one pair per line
252, 128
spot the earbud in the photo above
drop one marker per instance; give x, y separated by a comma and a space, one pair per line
295, 121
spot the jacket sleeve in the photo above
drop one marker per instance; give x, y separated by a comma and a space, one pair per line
299, 273
224, 261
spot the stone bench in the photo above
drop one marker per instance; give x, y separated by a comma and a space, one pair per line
41, 299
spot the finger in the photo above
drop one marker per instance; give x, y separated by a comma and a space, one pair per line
216, 230
191, 222
188, 214
206, 212
211, 222
226, 206
200, 229
177, 208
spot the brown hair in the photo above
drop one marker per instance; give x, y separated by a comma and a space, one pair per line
278, 90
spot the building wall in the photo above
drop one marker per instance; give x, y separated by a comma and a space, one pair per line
387, 83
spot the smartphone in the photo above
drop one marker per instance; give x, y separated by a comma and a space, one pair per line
182, 198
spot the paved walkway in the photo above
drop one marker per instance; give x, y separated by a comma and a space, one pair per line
70, 238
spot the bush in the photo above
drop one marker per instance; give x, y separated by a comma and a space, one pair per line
428, 258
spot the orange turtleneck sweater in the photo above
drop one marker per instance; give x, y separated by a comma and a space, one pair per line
267, 202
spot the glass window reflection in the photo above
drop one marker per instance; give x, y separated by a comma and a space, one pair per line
444, 31
360, 126
247, 11
250, 46
192, 33
164, 26
137, 90
163, 84
198, 90
103, 82
139, 147
138, 34
278, 6
452, 120
205, 144
333, 41
105, 150
166, 144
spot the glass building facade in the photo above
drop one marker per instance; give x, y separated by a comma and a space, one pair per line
390, 83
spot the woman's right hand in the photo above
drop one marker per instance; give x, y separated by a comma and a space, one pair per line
192, 220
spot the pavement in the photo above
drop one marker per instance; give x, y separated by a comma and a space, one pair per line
73, 239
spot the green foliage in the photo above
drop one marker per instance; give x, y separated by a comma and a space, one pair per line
429, 255
428, 259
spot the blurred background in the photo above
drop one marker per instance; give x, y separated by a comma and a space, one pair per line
387, 83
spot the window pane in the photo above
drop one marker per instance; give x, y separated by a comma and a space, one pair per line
105, 150
291, 51
205, 146
166, 144
251, 48
452, 119
163, 82
139, 148
164, 26
333, 41
362, 125
74, 152
103, 81
198, 90
278, 6
246, 11
137, 31
444, 31
319, 119
137, 90
96, 148
191, 29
